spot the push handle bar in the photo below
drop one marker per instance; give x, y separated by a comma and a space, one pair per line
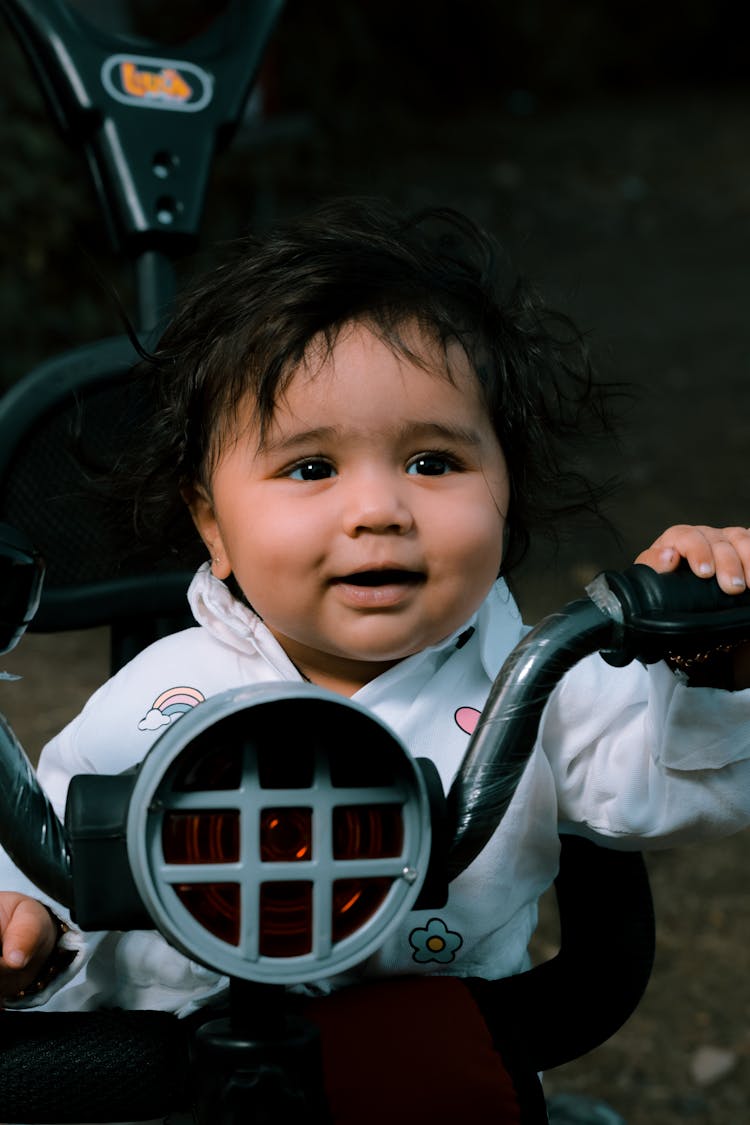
148, 118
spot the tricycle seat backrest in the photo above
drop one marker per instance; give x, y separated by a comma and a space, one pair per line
149, 120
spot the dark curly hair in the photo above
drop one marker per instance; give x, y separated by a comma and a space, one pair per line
244, 329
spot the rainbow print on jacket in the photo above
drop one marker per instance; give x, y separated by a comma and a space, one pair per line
170, 705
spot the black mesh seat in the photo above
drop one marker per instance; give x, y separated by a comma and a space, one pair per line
69, 415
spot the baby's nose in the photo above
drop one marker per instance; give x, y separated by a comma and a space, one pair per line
376, 503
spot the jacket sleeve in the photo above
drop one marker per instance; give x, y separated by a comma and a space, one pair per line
641, 758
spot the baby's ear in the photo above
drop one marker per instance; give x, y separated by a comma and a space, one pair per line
201, 506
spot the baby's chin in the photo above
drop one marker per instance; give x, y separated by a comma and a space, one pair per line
373, 659
368, 651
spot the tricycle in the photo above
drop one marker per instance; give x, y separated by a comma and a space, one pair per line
205, 840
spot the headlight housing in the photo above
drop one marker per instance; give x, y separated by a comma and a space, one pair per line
278, 833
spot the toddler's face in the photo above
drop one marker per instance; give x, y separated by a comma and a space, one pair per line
369, 524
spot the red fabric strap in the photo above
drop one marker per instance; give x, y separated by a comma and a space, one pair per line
411, 1050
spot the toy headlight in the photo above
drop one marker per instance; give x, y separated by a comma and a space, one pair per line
278, 833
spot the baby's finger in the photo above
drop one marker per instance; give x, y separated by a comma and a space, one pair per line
732, 558
30, 933
683, 541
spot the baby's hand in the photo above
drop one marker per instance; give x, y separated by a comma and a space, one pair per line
720, 551
28, 937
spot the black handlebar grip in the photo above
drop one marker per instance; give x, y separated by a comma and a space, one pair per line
656, 614
135, 1065
680, 595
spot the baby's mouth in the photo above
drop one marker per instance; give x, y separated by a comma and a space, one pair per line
384, 577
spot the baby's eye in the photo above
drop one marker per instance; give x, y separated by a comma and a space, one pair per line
312, 468
431, 465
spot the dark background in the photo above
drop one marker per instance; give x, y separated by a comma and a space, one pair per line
608, 146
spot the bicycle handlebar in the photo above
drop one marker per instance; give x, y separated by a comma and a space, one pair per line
633, 615
32, 833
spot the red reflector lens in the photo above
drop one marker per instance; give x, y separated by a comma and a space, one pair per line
285, 835
216, 906
367, 831
285, 919
354, 903
201, 837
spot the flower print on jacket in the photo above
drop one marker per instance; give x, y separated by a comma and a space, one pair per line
435, 942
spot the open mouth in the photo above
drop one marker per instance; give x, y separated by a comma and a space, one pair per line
390, 577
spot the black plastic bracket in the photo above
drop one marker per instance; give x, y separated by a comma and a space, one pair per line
105, 896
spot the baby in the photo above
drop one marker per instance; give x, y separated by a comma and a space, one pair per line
364, 418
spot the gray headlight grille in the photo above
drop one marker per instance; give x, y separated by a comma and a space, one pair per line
282, 841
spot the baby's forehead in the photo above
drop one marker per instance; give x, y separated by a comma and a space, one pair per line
345, 361
365, 385
410, 342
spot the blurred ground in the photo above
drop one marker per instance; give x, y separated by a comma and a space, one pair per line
632, 210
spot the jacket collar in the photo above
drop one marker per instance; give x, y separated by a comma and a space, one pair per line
496, 626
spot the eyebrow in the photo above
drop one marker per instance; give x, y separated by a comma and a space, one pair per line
417, 430
459, 435
315, 436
